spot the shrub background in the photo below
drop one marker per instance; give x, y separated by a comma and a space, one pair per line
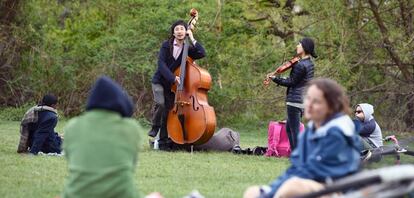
62, 46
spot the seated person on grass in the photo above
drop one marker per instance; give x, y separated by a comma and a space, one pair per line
370, 131
37, 131
101, 145
328, 149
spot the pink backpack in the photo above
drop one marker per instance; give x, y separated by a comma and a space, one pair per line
277, 139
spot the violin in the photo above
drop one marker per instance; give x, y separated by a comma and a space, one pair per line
192, 120
284, 67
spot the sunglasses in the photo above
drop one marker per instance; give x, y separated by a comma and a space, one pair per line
358, 111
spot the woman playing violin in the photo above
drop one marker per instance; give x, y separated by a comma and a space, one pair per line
169, 59
301, 73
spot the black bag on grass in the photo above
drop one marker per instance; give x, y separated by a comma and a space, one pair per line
223, 140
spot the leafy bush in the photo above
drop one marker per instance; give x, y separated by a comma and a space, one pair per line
65, 45
14, 113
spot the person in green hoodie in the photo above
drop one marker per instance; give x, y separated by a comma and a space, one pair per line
101, 145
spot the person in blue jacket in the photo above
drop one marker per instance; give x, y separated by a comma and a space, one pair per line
169, 59
328, 149
43, 137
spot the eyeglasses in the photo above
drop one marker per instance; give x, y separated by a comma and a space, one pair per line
358, 111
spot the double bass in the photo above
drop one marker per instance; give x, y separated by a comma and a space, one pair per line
191, 120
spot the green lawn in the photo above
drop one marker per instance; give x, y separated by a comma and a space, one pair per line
173, 174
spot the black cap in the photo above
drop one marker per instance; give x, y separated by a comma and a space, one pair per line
109, 95
308, 46
49, 100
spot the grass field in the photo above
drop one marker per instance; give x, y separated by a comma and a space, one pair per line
174, 174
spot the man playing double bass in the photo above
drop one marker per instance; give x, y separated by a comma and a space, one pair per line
300, 75
169, 60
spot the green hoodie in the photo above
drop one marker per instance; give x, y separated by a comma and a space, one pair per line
101, 148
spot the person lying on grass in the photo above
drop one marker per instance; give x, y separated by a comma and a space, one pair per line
370, 131
37, 131
328, 149
101, 145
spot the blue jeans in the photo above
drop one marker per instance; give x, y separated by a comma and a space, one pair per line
294, 115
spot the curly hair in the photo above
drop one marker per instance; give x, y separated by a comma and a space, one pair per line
334, 95
171, 38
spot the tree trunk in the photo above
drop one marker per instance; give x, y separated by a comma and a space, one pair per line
8, 56
387, 43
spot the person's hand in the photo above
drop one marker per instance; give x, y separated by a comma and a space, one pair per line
190, 34
178, 80
272, 77
268, 75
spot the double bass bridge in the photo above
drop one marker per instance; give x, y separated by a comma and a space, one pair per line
182, 103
